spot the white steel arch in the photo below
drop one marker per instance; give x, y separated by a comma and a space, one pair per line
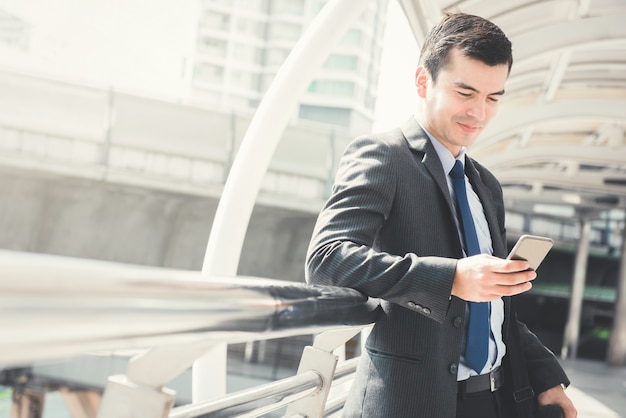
244, 180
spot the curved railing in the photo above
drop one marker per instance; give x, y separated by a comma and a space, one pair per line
53, 309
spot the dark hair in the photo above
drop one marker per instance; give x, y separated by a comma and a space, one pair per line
476, 38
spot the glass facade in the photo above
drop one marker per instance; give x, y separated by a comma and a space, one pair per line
341, 62
243, 43
332, 88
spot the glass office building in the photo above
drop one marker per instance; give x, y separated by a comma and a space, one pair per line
241, 45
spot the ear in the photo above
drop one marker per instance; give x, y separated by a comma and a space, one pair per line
421, 81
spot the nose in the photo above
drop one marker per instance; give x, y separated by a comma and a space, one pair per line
477, 109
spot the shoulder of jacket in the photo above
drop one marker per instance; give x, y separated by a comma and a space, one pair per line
393, 139
482, 170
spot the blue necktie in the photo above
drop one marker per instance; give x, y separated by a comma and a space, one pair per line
477, 341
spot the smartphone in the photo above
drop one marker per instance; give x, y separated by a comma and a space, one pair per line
531, 248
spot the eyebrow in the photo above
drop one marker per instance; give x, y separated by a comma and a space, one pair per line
466, 87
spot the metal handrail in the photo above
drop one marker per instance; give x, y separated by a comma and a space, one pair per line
256, 401
271, 396
56, 307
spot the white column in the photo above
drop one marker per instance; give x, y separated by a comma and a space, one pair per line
617, 344
572, 329
244, 181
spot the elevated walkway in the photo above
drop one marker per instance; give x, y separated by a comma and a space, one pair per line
598, 391
181, 314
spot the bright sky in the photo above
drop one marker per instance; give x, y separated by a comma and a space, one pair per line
101, 41
111, 42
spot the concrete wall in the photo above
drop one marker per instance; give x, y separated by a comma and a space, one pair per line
71, 216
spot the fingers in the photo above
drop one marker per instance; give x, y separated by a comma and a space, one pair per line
557, 396
513, 289
482, 278
499, 265
500, 291
512, 279
512, 266
511, 284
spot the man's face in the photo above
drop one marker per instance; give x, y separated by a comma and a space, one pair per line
460, 104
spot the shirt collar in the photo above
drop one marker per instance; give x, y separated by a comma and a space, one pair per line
444, 154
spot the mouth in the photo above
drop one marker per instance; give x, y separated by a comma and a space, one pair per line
470, 129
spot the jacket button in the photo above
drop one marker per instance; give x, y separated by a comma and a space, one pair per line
426, 311
411, 304
454, 368
458, 321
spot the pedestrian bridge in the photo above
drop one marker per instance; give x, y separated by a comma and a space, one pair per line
63, 315
558, 147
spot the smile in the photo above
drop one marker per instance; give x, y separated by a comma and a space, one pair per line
469, 128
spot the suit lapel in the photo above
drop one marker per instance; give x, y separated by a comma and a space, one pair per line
419, 143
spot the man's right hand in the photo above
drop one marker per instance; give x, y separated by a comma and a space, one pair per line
482, 278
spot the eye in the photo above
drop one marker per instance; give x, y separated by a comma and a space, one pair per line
494, 99
464, 94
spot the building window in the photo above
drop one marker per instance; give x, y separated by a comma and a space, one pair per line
244, 79
341, 62
212, 46
292, 7
284, 31
332, 87
324, 114
250, 27
247, 54
351, 38
215, 20
253, 5
209, 73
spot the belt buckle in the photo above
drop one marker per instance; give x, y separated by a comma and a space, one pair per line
492, 382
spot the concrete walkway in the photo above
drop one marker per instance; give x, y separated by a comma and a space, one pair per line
598, 390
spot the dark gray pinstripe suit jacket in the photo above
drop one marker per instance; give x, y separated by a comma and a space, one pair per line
388, 231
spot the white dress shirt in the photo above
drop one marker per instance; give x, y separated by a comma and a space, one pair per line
497, 349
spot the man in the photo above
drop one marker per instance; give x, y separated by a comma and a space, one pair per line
393, 229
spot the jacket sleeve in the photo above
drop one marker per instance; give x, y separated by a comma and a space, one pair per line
544, 369
343, 250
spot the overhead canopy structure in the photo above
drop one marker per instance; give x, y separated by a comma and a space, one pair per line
559, 136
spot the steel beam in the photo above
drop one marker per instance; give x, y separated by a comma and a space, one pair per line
253, 158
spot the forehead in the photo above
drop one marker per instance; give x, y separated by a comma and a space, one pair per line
484, 78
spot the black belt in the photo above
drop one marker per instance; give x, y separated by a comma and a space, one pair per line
491, 381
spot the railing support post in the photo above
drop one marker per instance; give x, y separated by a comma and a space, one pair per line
321, 359
81, 403
28, 403
140, 393
127, 399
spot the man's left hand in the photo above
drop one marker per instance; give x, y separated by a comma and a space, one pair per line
557, 396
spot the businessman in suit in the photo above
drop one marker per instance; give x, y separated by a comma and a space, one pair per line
392, 229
